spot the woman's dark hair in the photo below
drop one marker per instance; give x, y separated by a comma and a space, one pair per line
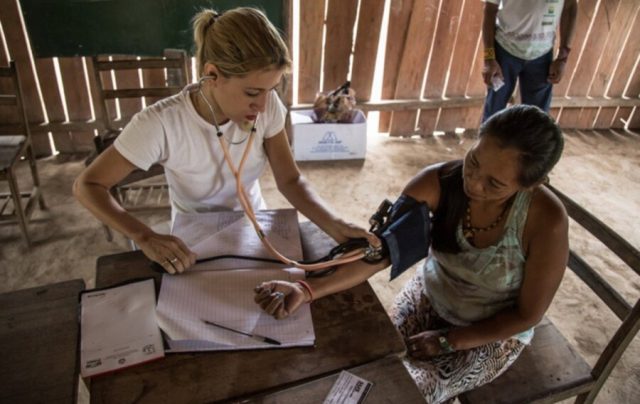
533, 133
522, 127
451, 207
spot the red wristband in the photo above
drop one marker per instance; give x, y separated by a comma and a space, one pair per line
307, 288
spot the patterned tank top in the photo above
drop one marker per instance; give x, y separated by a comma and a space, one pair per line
476, 283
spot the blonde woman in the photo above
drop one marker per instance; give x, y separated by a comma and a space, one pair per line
241, 59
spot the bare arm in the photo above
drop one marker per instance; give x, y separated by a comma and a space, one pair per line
491, 67
489, 24
423, 187
91, 189
568, 23
567, 31
293, 294
292, 184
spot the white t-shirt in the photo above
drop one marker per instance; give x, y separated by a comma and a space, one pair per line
527, 28
171, 133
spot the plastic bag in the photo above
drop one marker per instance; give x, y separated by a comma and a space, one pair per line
337, 106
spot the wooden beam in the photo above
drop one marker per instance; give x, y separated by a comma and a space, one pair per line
612, 353
466, 102
146, 63
142, 92
39, 127
600, 287
8, 99
621, 247
384, 105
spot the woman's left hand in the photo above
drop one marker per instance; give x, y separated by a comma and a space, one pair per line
424, 345
345, 231
279, 298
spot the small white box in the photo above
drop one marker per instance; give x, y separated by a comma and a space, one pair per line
328, 141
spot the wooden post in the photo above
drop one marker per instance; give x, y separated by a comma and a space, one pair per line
341, 17
366, 48
399, 15
414, 63
443, 49
310, 59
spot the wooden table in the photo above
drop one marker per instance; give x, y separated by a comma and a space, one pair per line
391, 384
352, 328
39, 338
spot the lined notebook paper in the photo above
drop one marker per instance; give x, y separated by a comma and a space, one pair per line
231, 233
226, 298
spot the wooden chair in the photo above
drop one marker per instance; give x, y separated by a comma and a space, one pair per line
131, 193
15, 144
551, 370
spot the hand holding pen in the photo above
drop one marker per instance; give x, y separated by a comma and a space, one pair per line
279, 298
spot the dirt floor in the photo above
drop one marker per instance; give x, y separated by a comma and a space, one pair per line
599, 170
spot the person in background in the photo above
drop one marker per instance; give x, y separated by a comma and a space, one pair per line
518, 39
498, 254
241, 59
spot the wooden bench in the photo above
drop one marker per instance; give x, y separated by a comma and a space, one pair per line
39, 332
551, 370
392, 383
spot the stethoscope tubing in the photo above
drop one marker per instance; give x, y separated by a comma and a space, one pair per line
248, 208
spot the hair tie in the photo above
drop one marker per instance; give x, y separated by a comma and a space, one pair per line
212, 20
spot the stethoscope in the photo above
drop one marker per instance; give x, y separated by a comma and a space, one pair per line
346, 255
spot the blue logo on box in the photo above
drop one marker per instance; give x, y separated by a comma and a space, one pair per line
330, 143
330, 138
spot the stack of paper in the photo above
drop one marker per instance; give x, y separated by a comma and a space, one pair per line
231, 233
222, 291
226, 298
118, 328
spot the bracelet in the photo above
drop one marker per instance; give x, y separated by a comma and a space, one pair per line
306, 286
489, 53
444, 344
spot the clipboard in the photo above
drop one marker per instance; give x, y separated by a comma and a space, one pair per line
118, 327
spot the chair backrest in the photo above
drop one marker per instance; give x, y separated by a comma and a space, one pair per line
628, 314
161, 77
13, 115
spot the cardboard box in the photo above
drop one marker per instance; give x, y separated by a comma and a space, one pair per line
328, 141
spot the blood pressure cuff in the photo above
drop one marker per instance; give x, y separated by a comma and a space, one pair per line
407, 235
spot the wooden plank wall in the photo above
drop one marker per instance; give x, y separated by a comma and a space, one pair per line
432, 62
438, 43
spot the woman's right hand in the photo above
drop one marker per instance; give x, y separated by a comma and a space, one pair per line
167, 250
279, 298
490, 70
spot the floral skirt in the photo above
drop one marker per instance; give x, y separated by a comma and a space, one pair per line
442, 378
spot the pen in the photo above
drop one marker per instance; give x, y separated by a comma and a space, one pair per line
257, 337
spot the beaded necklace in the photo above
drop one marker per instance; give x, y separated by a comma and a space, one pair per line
469, 232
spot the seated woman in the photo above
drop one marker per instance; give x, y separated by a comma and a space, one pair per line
499, 250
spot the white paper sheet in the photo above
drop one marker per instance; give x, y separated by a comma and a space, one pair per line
118, 328
226, 298
231, 233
